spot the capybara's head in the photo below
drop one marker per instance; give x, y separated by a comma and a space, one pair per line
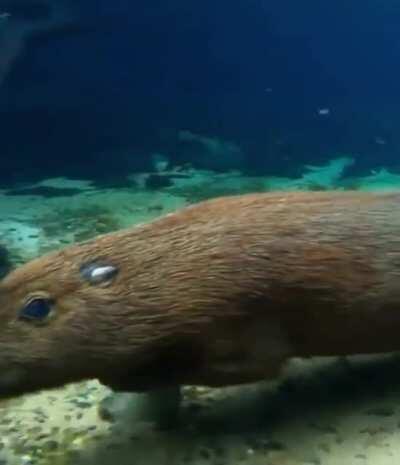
74, 314
47, 323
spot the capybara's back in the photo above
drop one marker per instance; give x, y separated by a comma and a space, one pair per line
219, 293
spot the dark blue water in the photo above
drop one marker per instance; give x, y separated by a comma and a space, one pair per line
96, 94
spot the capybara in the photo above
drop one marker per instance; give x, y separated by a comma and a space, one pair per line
218, 293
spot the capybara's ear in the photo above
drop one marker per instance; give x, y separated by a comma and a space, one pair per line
98, 271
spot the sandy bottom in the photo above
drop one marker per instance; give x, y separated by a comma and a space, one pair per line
337, 411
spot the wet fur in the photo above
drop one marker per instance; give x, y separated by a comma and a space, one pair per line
220, 293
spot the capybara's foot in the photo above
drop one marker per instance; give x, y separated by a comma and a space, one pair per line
163, 406
160, 407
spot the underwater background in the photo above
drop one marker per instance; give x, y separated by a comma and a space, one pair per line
119, 80
113, 113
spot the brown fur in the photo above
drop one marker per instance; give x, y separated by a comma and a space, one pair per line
220, 293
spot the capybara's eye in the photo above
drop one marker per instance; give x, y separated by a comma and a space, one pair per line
36, 310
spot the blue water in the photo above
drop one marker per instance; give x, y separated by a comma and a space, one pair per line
114, 112
111, 77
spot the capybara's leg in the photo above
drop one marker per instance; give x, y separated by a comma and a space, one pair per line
160, 407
